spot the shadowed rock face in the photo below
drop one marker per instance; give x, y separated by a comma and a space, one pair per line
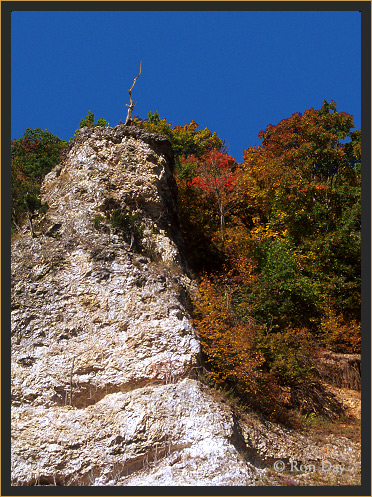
104, 354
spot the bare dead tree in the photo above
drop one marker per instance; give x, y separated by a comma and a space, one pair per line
132, 104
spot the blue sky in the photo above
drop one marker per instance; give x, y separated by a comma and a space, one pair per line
233, 72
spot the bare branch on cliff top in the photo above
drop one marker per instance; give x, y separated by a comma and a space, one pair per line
132, 104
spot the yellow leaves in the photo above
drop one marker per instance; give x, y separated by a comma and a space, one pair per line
226, 342
343, 334
264, 231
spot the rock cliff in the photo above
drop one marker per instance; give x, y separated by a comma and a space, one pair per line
105, 388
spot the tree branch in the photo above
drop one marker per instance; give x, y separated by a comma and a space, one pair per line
132, 104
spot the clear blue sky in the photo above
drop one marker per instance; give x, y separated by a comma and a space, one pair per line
233, 72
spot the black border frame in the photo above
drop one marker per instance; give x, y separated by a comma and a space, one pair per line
365, 8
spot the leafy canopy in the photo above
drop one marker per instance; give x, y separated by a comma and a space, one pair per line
289, 270
186, 140
32, 157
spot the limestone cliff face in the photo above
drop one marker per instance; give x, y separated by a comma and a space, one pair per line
80, 292
104, 351
104, 354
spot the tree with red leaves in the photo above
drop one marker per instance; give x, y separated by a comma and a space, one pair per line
216, 177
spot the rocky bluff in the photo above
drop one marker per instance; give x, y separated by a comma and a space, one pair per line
104, 354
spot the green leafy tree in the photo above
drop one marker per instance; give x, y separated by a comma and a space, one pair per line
302, 190
37, 152
32, 157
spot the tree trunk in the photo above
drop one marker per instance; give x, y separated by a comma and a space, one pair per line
222, 224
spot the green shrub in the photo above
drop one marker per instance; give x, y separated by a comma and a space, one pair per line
125, 221
128, 225
97, 223
89, 122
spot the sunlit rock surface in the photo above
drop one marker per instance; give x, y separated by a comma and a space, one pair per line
105, 358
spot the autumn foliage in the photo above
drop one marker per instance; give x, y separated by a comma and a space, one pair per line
301, 196
216, 177
186, 140
227, 341
283, 231
274, 243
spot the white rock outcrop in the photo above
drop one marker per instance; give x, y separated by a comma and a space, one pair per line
105, 390
173, 434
